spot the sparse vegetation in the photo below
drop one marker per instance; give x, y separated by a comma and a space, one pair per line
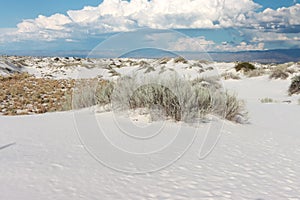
164, 60
22, 93
255, 72
179, 99
295, 86
230, 75
235, 109
244, 66
279, 72
267, 100
180, 60
150, 69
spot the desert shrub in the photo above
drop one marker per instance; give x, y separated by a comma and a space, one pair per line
255, 72
279, 73
104, 91
230, 75
235, 109
150, 69
179, 99
84, 93
207, 82
143, 64
164, 60
180, 60
113, 72
244, 66
295, 86
154, 95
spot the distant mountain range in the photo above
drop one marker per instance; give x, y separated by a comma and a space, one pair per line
265, 56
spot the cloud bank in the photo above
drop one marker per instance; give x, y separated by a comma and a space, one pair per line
120, 16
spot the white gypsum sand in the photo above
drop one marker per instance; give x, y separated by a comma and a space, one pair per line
42, 157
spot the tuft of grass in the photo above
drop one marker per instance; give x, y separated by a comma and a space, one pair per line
104, 92
279, 72
255, 72
235, 109
164, 60
244, 66
230, 75
295, 86
84, 93
267, 100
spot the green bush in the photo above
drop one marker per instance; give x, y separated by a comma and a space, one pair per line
295, 85
244, 66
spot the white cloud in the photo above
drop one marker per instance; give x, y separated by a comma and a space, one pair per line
192, 44
281, 18
203, 45
121, 15
118, 15
55, 22
243, 46
273, 36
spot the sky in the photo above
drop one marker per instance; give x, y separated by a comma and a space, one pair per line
179, 25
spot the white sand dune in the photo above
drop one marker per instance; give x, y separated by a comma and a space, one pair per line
42, 156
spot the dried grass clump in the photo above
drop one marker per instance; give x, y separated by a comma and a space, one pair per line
84, 93
295, 86
255, 72
279, 72
164, 60
235, 109
230, 75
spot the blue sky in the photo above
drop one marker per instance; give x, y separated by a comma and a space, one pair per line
14, 11
199, 25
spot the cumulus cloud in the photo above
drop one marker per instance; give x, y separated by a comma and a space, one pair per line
282, 20
273, 36
121, 15
118, 15
243, 46
192, 44
201, 44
